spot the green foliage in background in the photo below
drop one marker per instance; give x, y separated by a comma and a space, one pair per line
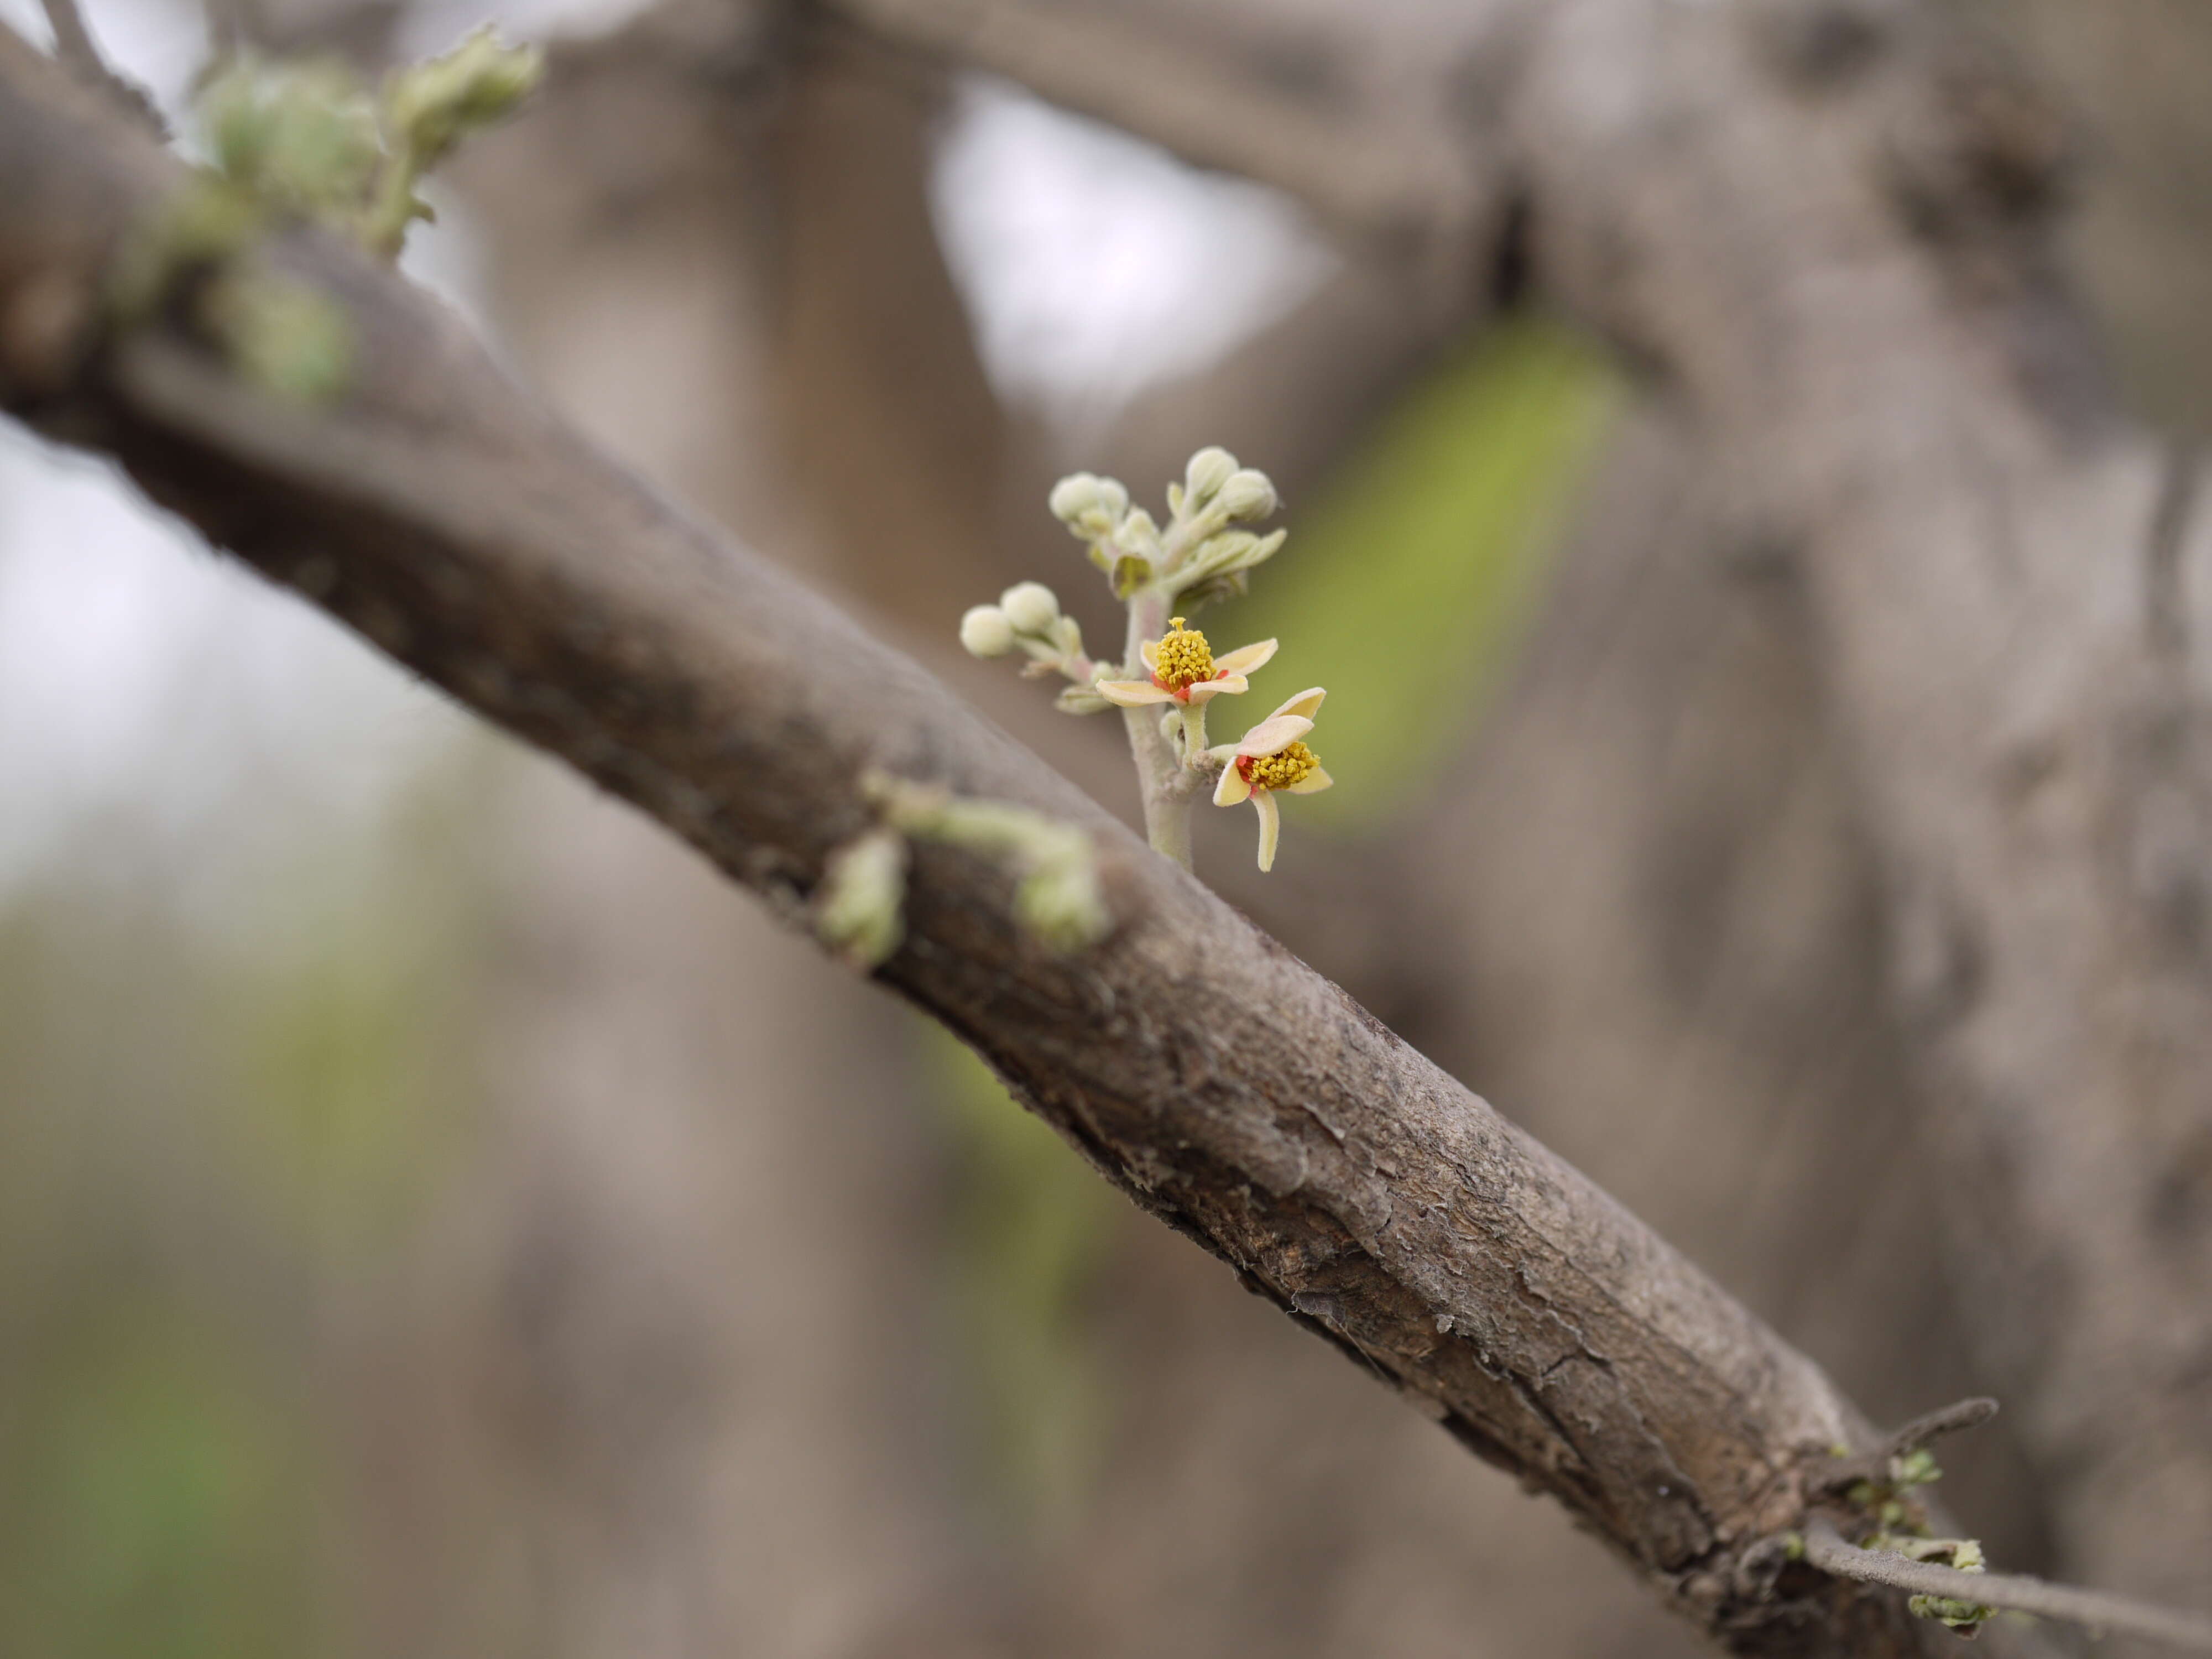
213, 1125
161, 1484
1029, 1224
1408, 578
349, 1056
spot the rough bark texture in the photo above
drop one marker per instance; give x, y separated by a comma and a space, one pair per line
1824, 222
1224, 1086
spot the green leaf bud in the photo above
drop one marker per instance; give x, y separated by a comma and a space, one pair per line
1060, 901
859, 910
431, 105
293, 339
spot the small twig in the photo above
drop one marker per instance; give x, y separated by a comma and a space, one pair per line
73, 44
1934, 1425
1825, 1549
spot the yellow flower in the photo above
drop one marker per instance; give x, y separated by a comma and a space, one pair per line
1271, 756
1184, 670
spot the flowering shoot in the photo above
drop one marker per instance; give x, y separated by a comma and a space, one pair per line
1169, 672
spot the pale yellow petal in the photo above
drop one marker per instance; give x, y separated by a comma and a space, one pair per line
1130, 694
1150, 651
1232, 788
1271, 825
1307, 703
1206, 690
1272, 734
1246, 658
1313, 783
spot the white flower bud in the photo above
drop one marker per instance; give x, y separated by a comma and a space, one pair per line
1248, 493
985, 631
1072, 496
1088, 504
1030, 606
1209, 469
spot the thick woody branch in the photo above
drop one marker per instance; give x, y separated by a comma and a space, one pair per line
1217, 1080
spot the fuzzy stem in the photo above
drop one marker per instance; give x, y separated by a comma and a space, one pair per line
1167, 819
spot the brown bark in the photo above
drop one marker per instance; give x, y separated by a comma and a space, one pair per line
1221, 1084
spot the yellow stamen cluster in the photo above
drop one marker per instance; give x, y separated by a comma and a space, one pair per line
1184, 659
1292, 763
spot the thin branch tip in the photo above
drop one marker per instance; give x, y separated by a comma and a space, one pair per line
74, 45
2095, 1610
1922, 1431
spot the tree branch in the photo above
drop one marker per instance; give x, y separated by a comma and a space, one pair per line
1368, 166
1216, 1080
2117, 1615
74, 45
1955, 1419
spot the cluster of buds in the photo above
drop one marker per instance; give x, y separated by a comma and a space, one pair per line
1028, 618
292, 141
1058, 898
1201, 556
1205, 552
308, 140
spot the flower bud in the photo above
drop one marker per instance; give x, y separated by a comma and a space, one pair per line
985, 631
1209, 469
1030, 606
1088, 504
1247, 493
1138, 537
